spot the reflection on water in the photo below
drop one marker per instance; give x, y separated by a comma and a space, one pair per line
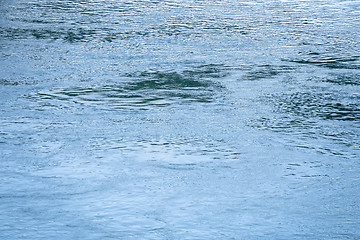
251, 128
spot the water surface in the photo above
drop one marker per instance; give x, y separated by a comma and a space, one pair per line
179, 119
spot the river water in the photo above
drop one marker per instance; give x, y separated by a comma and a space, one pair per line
190, 119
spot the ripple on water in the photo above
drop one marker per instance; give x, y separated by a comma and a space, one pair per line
140, 90
266, 71
179, 154
347, 78
332, 60
322, 105
319, 116
113, 21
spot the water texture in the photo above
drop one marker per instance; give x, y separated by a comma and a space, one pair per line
179, 119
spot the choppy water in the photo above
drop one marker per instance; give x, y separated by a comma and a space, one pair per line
179, 119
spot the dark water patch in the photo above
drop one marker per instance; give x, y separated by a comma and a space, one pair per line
168, 81
196, 77
105, 97
68, 35
6, 82
111, 21
332, 61
18, 82
344, 79
322, 105
266, 71
316, 119
312, 134
79, 9
142, 90
86, 33
195, 25
208, 71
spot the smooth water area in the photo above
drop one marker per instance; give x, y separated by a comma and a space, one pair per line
190, 119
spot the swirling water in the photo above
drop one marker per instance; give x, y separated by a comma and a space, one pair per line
189, 119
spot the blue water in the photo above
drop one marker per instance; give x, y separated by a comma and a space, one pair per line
179, 119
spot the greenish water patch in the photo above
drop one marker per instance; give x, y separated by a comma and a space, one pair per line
141, 90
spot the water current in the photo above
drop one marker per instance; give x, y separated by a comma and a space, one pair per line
189, 119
